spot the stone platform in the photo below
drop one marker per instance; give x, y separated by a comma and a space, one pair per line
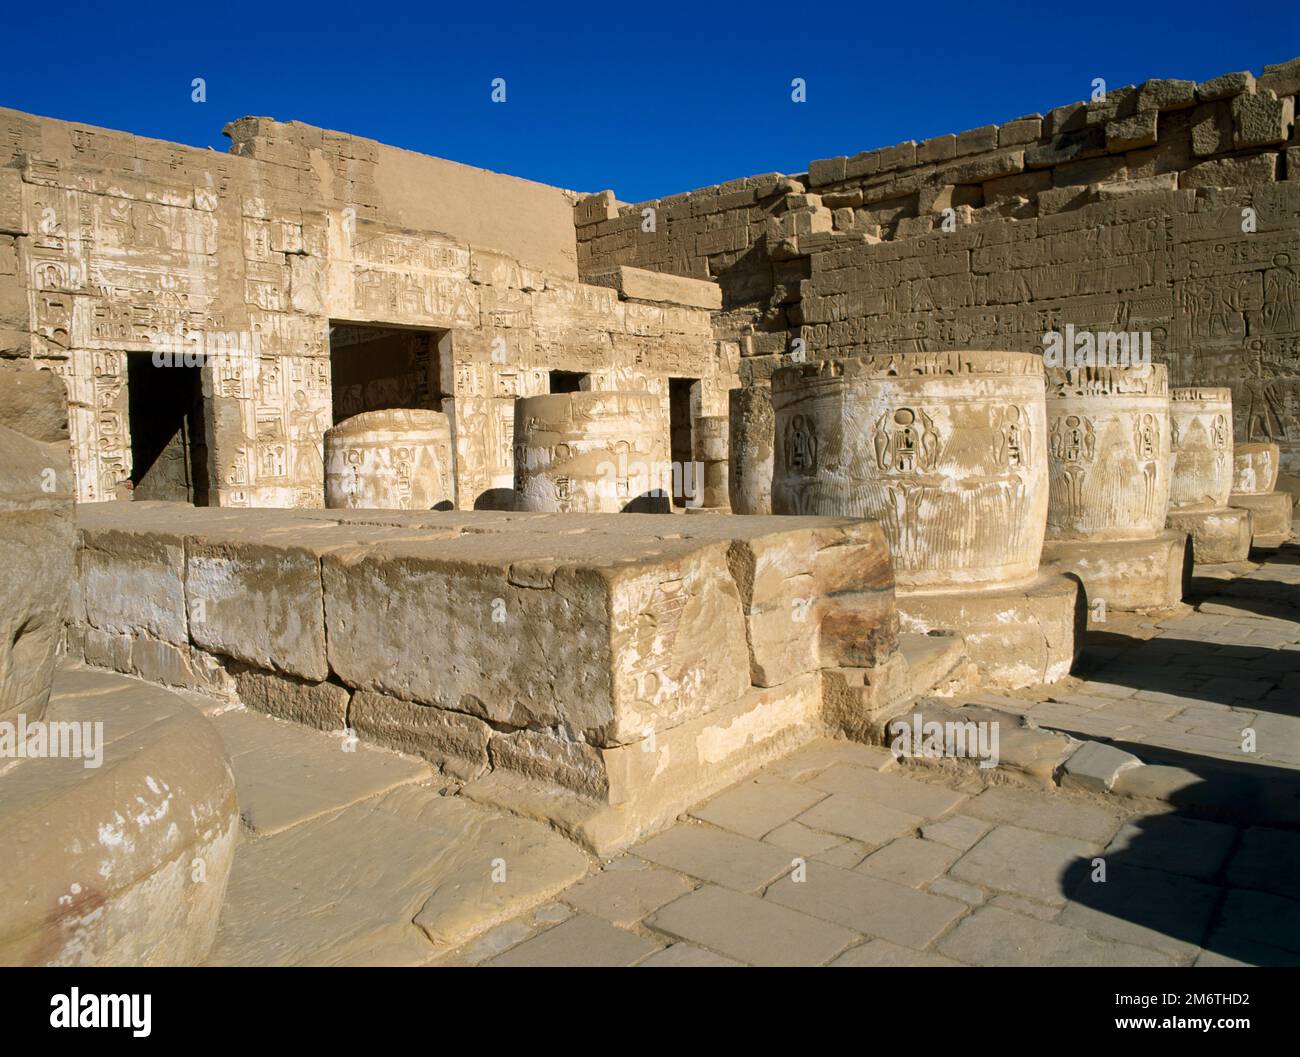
124, 863
1016, 637
1270, 515
1218, 536
1139, 576
598, 671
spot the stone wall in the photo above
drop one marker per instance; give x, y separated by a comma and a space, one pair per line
113, 245
1123, 214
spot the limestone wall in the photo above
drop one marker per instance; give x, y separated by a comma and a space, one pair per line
1125, 215
112, 244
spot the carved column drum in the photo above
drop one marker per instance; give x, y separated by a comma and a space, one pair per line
1201, 427
947, 450
1255, 468
750, 450
711, 457
1108, 452
591, 452
398, 459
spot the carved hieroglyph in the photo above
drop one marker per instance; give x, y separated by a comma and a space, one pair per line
947, 450
711, 456
397, 459
1108, 452
1254, 468
590, 452
751, 437
1201, 427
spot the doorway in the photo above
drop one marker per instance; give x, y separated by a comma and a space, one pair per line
165, 413
376, 368
683, 407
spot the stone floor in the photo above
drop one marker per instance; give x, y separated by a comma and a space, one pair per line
835, 855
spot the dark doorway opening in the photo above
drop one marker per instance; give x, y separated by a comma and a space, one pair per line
377, 368
568, 381
683, 407
169, 451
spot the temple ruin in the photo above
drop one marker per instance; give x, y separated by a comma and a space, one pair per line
597, 507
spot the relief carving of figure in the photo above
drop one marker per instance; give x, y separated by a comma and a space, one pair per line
907, 444
1013, 448
801, 445
1146, 437
1073, 439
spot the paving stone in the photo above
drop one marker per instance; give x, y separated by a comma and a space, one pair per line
1256, 917
1028, 907
1052, 814
687, 956
755, 808
1267, 859
715, 855
1038, 865
580, 941
883, 954
946, 886
799, 839
1094, 766
1192, 847
958, 831
1245, 953
624, 897
495, 941
846, 855
345, 888
819, 755
1167, 912
286, 774
867, 904
909, 861
993, 936
859, 818
753, 930
889, 790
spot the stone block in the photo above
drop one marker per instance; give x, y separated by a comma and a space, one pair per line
1211, 129
1129, 133
258, 603
1141, 576
100, 861
1225, 86
1217, 536
1094, 766
977, 140
133, 582
36, 568
1256, 170
1022, 130
647, 643
320, 705
1261, 119
1270, 516
637, 284
1015, 636
826, 171
1282, 77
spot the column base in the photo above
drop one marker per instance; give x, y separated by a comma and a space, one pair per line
1218, 536
1270, 515
1132, 576
1016, 637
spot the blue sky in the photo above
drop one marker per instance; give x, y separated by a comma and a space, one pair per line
648, 101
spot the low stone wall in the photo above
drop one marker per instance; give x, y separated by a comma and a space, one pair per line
599, 655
